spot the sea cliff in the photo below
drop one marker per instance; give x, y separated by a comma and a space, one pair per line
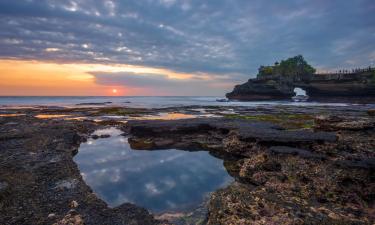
279, 81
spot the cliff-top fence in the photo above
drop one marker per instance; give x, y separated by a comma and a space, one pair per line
344, 74
353, 74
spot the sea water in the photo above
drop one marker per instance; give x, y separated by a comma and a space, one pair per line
142, 101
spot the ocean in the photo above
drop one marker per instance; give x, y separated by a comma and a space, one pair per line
142, 101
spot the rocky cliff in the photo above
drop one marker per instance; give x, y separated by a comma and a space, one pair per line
277, 83
255, 89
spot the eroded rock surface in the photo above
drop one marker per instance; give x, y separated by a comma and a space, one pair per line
282, 176
40, 183
320, 175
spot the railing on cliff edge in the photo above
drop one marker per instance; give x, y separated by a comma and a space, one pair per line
344, 74
352, 74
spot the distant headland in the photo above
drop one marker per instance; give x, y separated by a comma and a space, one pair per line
278, 82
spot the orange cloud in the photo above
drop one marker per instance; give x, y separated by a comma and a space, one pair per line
27, 77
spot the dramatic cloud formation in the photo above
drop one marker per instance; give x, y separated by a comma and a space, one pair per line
224, 39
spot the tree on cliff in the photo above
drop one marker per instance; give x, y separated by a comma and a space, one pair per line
266, 70
293, 68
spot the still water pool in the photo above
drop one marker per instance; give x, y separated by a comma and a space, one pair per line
161, 181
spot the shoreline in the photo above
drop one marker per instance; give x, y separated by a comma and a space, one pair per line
305, 154
168, 102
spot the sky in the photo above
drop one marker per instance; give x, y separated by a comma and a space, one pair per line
172, 47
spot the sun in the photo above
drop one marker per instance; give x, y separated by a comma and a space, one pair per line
114, 91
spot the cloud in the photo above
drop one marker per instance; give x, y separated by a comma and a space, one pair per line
191, 36
151, 189
135, 80
163, 84
167, 3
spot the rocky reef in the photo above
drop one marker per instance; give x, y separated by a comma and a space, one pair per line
41, 184
279, 81
290, 167
320, 176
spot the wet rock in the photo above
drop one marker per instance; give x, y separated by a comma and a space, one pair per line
95, 137
51, 216
73, 212
234, 145
296, 151
368, 164
164, 143
259, 169
3, 186
235, 205
66, 184
94, 103
131, 214
260, 133
73, 204
282, 176
334, 123
70, 219
355, 125
141, 143
371, 112
36, 161
276, 201
11, 123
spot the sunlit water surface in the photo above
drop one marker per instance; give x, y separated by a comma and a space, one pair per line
143, 102
161, 181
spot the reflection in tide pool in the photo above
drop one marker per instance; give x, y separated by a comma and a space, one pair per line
49, 116
11, 115
161, 181
168, 116
173, 116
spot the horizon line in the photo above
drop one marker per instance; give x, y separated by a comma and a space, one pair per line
7, 96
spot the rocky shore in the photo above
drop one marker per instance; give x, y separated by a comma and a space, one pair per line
40, 183
291, 165
283, 176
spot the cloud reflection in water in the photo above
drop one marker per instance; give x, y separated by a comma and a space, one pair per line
161, 181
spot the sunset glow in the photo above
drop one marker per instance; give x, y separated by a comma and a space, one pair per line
187, 48
30, 77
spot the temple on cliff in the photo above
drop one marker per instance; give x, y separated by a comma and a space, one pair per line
278, 82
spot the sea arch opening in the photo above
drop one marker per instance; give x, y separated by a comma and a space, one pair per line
299, 91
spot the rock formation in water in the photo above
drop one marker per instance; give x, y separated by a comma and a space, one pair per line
278, 82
